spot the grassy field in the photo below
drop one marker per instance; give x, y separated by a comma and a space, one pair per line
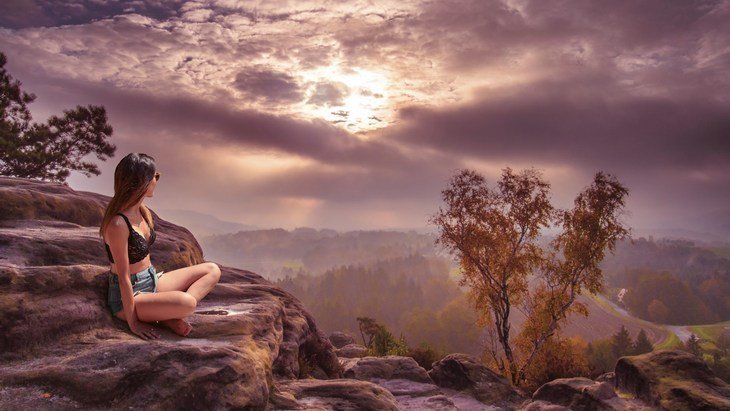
670, 342
605, 319
709, 333
720, 251
601, 302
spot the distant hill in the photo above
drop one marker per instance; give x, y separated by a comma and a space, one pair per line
274, 251
201, 224
709, 228
702, 237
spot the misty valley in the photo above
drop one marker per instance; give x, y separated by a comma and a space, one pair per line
665, 289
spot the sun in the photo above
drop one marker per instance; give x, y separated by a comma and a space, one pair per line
364, 104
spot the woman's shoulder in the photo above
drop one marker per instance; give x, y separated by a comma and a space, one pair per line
117, 226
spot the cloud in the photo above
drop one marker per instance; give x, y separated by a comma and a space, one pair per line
274, 87
285, 97
586, 121
16, 14
329, 93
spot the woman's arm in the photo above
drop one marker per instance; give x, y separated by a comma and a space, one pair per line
118, 233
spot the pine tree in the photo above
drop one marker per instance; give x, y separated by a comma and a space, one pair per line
621, 343
642, 344
48, 151
693, 345
723, 343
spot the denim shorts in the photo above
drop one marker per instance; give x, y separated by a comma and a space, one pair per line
144, 281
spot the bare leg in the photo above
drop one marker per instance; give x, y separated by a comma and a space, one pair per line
202, 286
177, 296
162, 306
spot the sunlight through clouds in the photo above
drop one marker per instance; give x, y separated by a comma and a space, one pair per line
357, 112
364, 107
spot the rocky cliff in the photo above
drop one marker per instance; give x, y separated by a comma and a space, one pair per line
253, 345
60, 346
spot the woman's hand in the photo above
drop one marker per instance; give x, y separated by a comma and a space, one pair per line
143, 329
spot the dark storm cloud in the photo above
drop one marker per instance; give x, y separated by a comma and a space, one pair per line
217, 123
262, 83
180, 132
16, 14
580, 121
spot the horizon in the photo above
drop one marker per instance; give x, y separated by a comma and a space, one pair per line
360, 126
653, 234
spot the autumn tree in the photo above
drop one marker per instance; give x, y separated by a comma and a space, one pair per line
558, 358
48, 151
658, 311
493, 232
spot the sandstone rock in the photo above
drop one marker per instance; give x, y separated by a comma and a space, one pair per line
60, 347
340, 339
543, 406
49, 224
579, 393
438, 402
334, 394
462, 372
347, 363
609, 377
402, 386
27, 199
408, 382
388, 367
672, 379
352, 351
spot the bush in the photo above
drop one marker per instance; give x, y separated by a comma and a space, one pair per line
425, 355
385, 344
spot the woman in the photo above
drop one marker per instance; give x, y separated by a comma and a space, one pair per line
137, 293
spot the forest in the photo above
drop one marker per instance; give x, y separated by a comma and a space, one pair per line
416, 300
412, 295
670, 281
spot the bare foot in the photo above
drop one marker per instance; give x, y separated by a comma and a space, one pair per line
178, 326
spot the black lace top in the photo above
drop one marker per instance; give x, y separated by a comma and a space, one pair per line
138, 247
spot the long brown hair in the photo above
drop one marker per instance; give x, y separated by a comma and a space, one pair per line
132, 177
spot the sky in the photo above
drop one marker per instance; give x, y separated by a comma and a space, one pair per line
354, 115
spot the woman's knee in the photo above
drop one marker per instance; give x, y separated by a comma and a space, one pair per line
214, 269
188, 301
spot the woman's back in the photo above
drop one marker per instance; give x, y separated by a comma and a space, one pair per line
137, 246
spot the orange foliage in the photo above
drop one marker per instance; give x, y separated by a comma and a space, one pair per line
493, 233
